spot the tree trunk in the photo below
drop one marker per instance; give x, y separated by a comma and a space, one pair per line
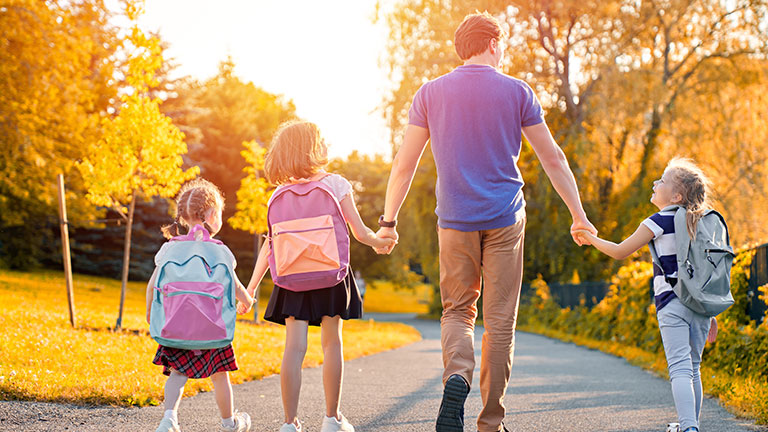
126, 259
651, 142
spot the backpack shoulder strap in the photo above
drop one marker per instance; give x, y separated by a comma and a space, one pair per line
682, 238
652, 247
722, 220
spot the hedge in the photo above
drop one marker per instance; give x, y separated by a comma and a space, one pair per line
734, 368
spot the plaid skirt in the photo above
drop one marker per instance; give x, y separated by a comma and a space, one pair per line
195, 363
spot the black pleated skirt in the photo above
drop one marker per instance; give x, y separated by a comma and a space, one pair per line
342, 299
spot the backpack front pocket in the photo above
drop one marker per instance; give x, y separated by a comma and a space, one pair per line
305, 245
193, 311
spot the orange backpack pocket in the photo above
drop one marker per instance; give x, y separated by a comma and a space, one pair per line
305, 245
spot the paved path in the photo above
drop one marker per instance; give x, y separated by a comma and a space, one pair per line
554, 387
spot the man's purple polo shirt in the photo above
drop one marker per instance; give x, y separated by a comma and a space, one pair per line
474, 115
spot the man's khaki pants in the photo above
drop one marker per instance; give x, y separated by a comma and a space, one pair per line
494, 257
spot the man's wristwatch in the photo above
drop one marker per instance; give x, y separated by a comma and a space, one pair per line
386, 224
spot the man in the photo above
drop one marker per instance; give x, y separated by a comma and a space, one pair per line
475, 116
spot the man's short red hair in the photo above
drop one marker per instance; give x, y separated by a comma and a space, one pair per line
474, 33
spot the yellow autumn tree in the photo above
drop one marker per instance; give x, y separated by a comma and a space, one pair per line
625, 84
251, 214
140, 151
56, 79
252, 197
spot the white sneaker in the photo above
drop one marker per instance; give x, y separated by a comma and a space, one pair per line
673, 427
290, 427
330, 424
168, 425
242, 423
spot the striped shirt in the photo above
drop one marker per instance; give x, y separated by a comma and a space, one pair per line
662, 224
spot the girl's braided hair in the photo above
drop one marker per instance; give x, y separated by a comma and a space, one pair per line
693, 186
195, 199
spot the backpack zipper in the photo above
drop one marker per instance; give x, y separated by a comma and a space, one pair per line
709, 257
207, 267
175, 293
301, 231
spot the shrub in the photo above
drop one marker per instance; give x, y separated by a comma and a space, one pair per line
735, 368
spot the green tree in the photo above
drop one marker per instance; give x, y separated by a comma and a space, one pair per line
139, 153
368, 176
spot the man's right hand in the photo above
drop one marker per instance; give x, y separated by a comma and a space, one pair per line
390, 233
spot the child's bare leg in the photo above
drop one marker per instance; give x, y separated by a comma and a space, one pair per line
222, 390
290, 370
174, 388
333, 363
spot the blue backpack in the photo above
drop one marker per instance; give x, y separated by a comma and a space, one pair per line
193, 306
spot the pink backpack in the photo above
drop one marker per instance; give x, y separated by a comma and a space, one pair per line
308, 236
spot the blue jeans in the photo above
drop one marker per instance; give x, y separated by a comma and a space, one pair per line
684, 333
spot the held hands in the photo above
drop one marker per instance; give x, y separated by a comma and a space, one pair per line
582, 237
389, 237
580, 229
384, 245
243, 308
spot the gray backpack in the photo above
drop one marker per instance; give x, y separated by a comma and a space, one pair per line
703, 264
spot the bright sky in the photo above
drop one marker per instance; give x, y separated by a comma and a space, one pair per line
324, 55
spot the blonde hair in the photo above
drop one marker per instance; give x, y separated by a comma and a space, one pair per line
474, 33
693, 186
195, 199
297, 151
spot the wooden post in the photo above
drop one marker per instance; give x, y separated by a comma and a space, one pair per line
257, 243
126, 259
65, 256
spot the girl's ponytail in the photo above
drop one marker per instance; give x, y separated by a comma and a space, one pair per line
172, 230
692, 217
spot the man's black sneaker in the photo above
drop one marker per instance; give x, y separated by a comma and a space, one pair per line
451, 415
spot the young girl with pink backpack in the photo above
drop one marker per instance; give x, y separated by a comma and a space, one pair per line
308, 258
191, 305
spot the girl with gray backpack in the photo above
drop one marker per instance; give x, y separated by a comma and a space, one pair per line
692, 259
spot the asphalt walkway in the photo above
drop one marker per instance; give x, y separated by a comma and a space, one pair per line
555, 386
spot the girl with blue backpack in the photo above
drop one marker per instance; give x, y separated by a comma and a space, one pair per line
191, 305
683, 230
308, 257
